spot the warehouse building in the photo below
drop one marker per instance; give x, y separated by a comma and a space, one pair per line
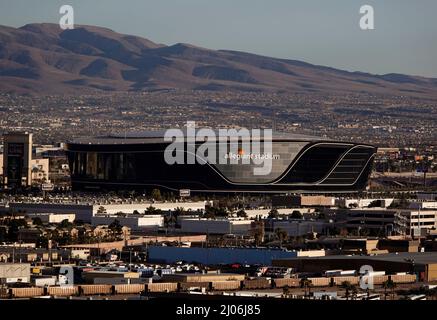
216, 226
220, 255
85, 212
53, 217
423, 264
14, 272
302, 201
133, 221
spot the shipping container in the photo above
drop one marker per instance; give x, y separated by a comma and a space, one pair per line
95, 289
339, 280
183, 286
320, 282
27, 292
129, 288
226, 285
261, 283
290, 282
180, 277
162, 287
379, 279
404, 278
63, 291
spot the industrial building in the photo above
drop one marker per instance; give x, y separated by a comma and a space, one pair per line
133, 221
393, 221
216, 226
218, 255
423, 264
300, 163
53, 217
85, 212
302, 201
297, 228
14, 272
363, 203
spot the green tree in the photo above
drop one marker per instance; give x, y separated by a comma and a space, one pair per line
150, 210
101, 209
241, 213
274, 213
115, 226
65, 224
346, 285
306, 284
156, 195
389, 285
281, 235
37, 221
296, 215
14, 226
286, 291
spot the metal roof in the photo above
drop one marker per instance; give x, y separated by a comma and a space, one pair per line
417, 257
146, 137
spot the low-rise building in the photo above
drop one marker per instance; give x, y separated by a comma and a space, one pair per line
302, 201
216, 226
363, 203
133, 221
53, 217
14, 272
298, 227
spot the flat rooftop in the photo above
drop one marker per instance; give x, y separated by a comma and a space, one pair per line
417, 257
148, 137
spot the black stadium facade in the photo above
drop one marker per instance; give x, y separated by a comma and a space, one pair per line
301, 164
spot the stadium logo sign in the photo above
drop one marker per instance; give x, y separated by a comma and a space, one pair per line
229, 146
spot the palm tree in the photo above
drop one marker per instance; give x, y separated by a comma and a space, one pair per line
433, 293
281, 235
389, 284
306, 284
349, 287
274, 213
286, 291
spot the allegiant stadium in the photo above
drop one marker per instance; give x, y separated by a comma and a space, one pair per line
299, 163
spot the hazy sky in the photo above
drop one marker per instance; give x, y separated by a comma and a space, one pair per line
323, 32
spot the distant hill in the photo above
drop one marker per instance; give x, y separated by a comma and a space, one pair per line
43, 59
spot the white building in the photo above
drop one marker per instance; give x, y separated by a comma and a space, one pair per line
419, 222
216, 226
142, 207
264, 213
85, 211
133, 221
53, 217
297, 228
363, 203
424, 205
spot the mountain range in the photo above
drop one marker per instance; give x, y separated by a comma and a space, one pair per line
42, 58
